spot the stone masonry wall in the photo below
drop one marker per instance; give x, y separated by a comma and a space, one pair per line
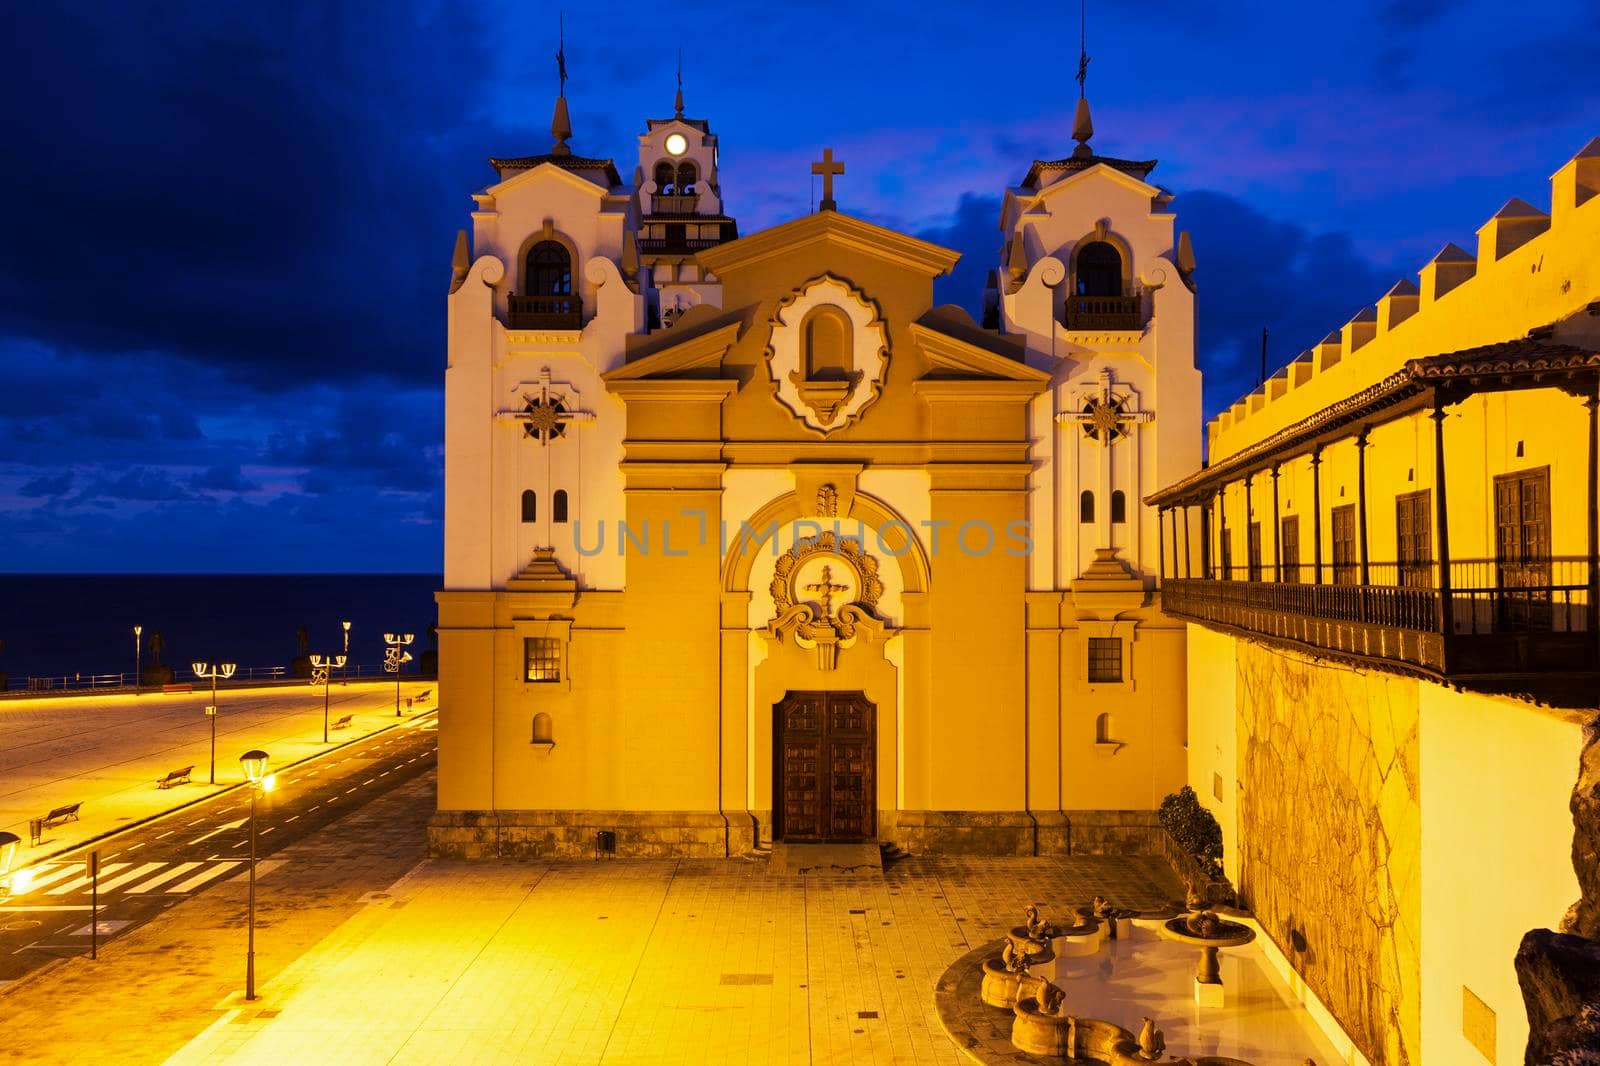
1330, 837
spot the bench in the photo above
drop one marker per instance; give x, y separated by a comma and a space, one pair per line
343, 722
185, 687
422, 697
176, 777
69, 813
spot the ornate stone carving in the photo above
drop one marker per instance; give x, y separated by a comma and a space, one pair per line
828, 501
845, 586
827, 404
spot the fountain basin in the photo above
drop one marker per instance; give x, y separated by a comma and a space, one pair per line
1001, 986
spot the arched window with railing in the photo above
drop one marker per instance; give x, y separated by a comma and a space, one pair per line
547, 300
530, 506
1099, 298
688, 175
664, 178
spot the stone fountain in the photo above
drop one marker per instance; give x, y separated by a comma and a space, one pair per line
1003, 976
1205, 930
1107, 914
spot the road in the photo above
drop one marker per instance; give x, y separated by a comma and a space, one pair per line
153, 866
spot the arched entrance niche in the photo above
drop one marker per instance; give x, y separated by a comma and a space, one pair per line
774, 585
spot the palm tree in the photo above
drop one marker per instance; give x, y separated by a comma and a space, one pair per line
301, 666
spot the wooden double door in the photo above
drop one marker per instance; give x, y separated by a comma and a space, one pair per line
825, 761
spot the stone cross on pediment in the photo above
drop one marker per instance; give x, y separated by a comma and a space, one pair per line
547, 411
1107, 417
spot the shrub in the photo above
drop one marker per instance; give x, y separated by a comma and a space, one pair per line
1194, 828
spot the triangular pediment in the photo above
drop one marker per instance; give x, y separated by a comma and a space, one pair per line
957, 347
1100, 172
697, 351
839, 230
542, 172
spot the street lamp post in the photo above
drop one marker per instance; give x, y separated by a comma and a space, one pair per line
254, 762
321, 667
394, 657
213, 671
138, 658
346, 626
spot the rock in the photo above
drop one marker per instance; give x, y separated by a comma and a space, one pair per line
1560, 978
1585, 916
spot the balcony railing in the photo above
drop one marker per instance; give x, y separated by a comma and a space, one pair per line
674, 203
1498, 618
545, 312
676, 246
1103, 312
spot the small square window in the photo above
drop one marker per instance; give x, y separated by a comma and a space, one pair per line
1105, 659
542, 657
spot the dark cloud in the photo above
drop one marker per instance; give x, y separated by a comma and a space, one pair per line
139, 484
1253, 272
975, 233
226, 478
46, 485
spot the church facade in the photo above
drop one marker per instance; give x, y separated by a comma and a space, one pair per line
748, 540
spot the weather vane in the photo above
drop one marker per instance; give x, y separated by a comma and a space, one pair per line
1083, 48
561, 52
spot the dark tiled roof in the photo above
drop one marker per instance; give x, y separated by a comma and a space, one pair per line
567, 162
1507, 359
1138, 168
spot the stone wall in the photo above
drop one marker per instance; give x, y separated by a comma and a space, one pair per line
1330, 837
571, 834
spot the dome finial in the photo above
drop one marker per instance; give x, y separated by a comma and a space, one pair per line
561, 122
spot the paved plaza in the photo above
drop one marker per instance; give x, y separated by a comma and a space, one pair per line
107, 751
369, 953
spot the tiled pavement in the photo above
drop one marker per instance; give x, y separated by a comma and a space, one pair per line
572, 962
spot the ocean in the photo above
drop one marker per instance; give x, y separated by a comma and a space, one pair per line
63, 625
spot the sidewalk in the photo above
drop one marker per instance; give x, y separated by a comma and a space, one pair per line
157, 987
106, 751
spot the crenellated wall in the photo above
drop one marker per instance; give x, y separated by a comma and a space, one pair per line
1530, 269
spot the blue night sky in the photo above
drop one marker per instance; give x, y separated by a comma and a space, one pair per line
228, 227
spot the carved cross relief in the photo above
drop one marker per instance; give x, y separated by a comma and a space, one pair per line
547, 411
1109, 414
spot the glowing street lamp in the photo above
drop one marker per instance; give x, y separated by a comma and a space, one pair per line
321, 667
394, 657
346, 626
203, 671
254, 762
138, 658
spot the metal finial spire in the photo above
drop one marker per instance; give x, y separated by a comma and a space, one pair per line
678, 100
561, 122
1082, 125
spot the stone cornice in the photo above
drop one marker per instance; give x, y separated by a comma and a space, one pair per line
921, 256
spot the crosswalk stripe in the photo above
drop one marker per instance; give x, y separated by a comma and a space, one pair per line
161, 879
132, 875
83, 881
57, 872
210, 874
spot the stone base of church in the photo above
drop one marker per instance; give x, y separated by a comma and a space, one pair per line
1025, 832
575, 834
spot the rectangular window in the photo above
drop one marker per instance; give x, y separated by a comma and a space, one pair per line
1255, 551
1522, 548
1289, 549
1105, 659
1413, 538
542, 658
1346, 566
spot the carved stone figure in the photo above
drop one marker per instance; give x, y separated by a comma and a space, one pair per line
1192, 897
1205, 923
1151, 1042
1050, 998
1015, 961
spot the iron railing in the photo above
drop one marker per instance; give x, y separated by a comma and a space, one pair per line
676, 245
674, 203
545, 312
1104, 312
245, 675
